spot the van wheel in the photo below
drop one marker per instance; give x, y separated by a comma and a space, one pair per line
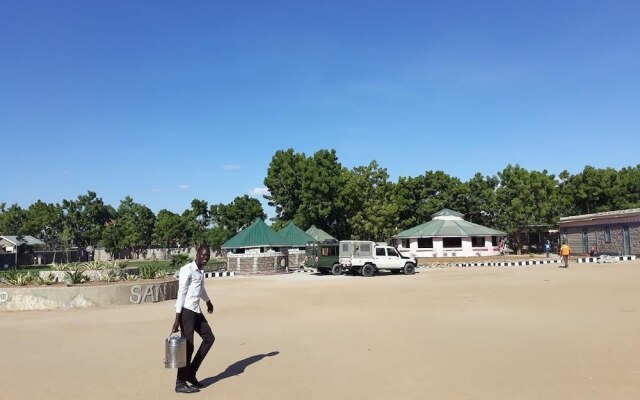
409, 269
336, 269
368, 270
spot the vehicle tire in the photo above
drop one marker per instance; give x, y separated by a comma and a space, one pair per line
336, 269
368, 270
409, 269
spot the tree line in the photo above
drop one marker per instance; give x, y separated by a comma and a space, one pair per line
357, 203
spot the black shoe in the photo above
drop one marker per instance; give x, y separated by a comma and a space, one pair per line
195, 383
184, 388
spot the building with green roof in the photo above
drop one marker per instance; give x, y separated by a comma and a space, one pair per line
319, 235
257, 237
295, 237
449, 235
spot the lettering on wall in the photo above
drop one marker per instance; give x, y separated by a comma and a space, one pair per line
4, 297
152, 293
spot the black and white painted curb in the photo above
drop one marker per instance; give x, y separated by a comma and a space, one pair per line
492, 263
522, 263
605, 259
313, 270
219, 274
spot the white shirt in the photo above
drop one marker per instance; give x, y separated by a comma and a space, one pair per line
191, 288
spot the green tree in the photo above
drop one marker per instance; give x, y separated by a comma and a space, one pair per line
420, 197
170, 229
86, 218
526, 200
238, 214
113, 239
320, 189
12, 219
197, 221
44, 221
229, 219
476, 199
626, 191
368, 202
135, 223
284, 180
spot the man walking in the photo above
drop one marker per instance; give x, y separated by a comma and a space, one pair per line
189, 319
565, 251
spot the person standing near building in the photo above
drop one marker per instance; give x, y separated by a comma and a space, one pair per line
565, 252
189, 319
547, 247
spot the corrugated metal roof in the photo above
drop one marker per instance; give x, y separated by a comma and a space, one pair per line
294, 236
600, 215
258, 234
318, 234
449, 228
27, 239
445, 212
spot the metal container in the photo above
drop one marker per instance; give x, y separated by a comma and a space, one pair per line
175, 352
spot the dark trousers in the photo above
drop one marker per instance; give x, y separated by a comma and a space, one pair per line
194, 322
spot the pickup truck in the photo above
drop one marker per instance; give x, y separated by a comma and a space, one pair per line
367, 258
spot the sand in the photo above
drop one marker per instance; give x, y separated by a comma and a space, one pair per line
539, 332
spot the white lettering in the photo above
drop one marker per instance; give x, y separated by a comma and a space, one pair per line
4, 297
148, 292
135, 291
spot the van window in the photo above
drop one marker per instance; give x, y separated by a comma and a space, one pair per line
380, 251
392, 253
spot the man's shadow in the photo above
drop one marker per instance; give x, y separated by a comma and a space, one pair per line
237, 368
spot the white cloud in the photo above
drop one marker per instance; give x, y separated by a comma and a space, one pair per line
183, 186
230, 167
260, 191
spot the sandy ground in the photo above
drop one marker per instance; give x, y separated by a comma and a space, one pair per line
538, 332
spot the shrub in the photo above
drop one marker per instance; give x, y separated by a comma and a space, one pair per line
179, 260
111, 275
151, 271
75, 274
47, 279
16, 278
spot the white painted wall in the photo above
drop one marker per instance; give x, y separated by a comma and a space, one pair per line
438, 250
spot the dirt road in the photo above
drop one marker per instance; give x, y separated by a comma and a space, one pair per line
539, 332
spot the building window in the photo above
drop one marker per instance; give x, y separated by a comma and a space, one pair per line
477, 241
405, 243
607, 235
452, 242
494, 241
425, 243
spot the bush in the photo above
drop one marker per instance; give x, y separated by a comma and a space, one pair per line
75, 274
179, 260
15, 278
152, 271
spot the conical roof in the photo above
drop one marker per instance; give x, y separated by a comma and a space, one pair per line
294, 236
445, 212
455, 227
258, 234
319, 235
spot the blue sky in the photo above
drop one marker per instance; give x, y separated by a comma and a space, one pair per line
167, 101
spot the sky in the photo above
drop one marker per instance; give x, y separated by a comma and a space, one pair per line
170, 101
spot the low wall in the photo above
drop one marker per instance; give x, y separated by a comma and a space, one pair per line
147, 254
55, 297
257, 264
